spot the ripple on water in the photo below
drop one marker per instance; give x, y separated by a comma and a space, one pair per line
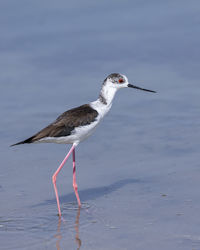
28, 230
74, 206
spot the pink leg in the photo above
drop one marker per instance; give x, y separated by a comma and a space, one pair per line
55, 175
74, 180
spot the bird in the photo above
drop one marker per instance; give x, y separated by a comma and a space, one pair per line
77, 124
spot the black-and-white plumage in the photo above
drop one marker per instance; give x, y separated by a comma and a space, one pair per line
65, 125
77, 124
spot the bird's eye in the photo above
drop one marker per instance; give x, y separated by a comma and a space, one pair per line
120, 80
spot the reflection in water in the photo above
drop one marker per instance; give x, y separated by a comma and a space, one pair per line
58, 236
78, 241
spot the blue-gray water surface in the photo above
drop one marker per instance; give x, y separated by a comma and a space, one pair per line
139, 174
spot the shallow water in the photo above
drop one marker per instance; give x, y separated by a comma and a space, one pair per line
138, 175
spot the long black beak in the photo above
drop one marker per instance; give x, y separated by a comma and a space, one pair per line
135, 87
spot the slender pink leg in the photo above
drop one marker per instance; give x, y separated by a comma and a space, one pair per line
74, 180
55, 175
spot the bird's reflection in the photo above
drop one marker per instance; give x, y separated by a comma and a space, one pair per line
78, 240
58, 235
76, 226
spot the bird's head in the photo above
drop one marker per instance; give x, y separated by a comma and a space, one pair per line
119, 81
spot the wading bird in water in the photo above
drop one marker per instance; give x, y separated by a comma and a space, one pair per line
77, 124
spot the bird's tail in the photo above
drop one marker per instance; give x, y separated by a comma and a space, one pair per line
29, 140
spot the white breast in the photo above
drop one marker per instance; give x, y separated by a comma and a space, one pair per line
101, 108
78, 134
81, 133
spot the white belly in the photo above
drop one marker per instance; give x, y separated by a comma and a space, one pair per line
79, 134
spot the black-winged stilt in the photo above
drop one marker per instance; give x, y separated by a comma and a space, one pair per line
75, 125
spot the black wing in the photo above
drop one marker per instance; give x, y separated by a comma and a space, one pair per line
65, 123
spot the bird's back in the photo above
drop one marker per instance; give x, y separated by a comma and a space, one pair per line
65, 124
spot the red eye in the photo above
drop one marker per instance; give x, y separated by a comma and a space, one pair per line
120, 80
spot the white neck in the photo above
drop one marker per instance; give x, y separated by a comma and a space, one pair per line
104, 102
107, 94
